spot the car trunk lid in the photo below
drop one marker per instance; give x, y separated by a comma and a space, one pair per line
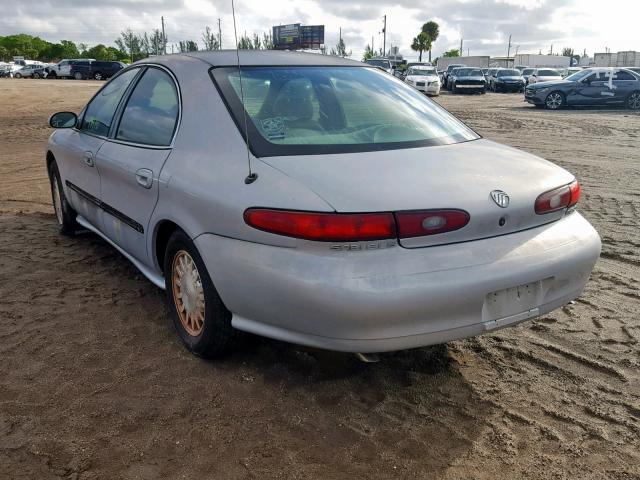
460, 176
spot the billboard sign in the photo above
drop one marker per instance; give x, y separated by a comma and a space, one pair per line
295, 37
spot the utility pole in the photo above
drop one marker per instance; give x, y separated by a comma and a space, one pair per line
509, 50
373, 49
461, 46
219, 35
164, 38
384, 37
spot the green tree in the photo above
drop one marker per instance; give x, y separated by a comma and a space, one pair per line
245, 43
157, 43
187, 46
420, 44
432, 30
210, 40
454, 52
257, 42
131, 44
4, 53
368, 53
340, 49
267, 41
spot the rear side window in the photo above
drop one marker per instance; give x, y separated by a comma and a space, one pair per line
622, 75
151, 113
99, 113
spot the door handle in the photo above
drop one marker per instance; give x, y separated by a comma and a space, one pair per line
144, 177
88, 159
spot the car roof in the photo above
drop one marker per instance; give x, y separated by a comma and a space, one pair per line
257, 58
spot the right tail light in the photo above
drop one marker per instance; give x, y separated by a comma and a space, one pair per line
559, 198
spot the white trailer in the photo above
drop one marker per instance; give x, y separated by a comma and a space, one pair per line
471, 61
628, 59
539, 61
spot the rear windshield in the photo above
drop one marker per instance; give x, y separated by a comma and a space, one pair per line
508, 73
548, 73
317, 110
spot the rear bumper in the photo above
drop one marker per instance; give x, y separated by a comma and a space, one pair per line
396, 298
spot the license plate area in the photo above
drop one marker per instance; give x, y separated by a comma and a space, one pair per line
511, 301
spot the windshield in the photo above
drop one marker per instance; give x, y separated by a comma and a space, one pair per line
380, 63
469, 72
453, 67
319, 110
527, 71
508, 73
548, 73
422, 71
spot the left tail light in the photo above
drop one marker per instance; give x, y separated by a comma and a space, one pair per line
323, 227
559, 198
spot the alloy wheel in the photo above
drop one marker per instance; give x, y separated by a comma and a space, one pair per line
554, 101
634, 101
98, 76
188, 293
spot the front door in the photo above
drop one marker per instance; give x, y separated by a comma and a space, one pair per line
131, 161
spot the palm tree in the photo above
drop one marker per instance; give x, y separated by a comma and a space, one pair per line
432, 29
421, 43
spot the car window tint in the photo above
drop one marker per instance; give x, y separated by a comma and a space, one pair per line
99, 113
152, 110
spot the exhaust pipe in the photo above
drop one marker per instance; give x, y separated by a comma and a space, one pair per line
368, 357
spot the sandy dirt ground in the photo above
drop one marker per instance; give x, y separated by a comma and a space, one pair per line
94, 384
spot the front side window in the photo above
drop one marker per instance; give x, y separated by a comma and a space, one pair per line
315, 110
99, 113
151, 113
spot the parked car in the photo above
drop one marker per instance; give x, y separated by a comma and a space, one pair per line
526, 73
508, 80
544, 75
594, 86
98, 70
445, 75
63, 68
634, 69
490, 76
316, 222
424, 79
381, 63
30, 71
467, 80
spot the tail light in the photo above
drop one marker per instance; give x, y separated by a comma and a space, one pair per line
559, 198
323, 227
430, 222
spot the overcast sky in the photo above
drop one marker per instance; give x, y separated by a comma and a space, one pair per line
485, 25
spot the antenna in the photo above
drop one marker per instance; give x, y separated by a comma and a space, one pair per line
252, 176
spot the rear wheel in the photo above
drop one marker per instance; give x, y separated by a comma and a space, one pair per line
201, 319
554, 101
633, 101
17, 75
97, 76
77, 76
36, 75
52, 75
65, 214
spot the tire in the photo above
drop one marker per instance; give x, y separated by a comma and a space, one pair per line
453, 88
208, 332
52, 75
77, 76
17, 75
36, 75
554, 101
65, 214
97, 76
633, 101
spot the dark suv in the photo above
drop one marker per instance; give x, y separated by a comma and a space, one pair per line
98, 70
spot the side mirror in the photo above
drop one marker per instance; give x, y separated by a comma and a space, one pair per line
587, 81
63, 120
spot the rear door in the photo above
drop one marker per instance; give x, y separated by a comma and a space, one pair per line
624, 83
130, 162
81, 172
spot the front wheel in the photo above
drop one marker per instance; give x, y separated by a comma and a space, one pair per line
633, 101
17, 75
201, 319
36, 75
554, 101
78, 76
65, 214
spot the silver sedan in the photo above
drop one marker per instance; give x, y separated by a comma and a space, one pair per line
315, 200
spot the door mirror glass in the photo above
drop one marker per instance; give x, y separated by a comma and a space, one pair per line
63, 120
